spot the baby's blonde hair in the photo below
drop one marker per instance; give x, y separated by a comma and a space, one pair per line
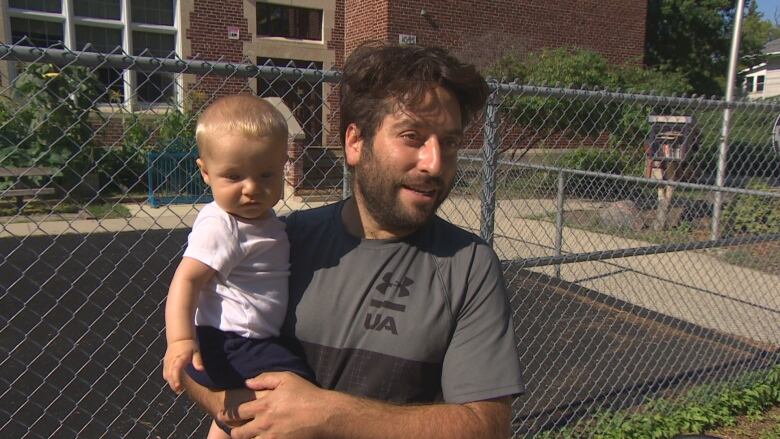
240, 114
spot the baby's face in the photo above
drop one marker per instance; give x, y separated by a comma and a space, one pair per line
246, 174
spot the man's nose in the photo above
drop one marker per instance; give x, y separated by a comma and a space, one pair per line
429, 158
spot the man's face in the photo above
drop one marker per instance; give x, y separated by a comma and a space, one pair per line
403, 176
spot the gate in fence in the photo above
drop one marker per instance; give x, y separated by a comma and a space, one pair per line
174, 178
612, 307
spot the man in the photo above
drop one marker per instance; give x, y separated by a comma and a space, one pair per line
403, 316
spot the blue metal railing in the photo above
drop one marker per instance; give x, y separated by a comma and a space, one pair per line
173, 178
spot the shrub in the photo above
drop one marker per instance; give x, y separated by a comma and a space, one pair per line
50, 124
608, 161
124, 167
579, 68
753, 214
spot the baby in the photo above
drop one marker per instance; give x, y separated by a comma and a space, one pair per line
233, 276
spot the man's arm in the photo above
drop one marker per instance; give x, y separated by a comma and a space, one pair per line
290, 407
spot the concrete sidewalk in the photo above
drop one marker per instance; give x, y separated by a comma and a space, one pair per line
694, 286
142, 217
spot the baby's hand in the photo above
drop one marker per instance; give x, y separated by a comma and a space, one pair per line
178, 354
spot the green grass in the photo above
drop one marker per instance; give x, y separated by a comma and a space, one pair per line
39, 208
50, 207
105, 211
703, 408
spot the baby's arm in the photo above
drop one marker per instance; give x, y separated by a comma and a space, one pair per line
190, 277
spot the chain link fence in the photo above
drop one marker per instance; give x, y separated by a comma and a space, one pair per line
630, 280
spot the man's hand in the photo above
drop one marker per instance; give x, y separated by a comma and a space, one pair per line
177, 356
287, 406
290, 407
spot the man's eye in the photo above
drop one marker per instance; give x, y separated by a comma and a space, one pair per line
268, 174
451, 143
410, 137
233, 177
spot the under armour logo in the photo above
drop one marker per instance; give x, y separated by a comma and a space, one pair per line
402, 285
379, 322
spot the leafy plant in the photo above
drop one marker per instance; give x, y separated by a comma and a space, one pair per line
753, 214
578, 68
608, 161
52, 114
701, 410
104, 211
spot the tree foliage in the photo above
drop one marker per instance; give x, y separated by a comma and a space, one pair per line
625, 123
47, 121
693, 37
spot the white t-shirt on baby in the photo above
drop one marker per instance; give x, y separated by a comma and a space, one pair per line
248, 295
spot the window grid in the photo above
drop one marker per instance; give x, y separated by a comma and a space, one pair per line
39, 33
72, 30
107, 9
153, 12
54, 6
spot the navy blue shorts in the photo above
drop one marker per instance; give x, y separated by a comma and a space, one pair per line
230, 359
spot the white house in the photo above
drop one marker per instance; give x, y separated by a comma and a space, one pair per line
763, 80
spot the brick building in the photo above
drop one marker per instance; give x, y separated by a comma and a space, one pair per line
305, 33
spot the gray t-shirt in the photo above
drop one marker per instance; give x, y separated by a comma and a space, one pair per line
422, 319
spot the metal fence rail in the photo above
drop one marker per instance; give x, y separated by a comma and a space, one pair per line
620, 293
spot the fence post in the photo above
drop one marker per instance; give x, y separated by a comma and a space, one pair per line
489, 165
559, 219
717, 207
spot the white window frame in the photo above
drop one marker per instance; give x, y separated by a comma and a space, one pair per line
762, 83
70, 20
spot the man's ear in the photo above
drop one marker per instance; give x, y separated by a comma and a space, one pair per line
353, 145
203, 171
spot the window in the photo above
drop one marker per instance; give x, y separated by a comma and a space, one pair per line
289, 22
760, 83
108, 9
38, 32
37, 5
100, 26
100, 39
303, 98
154, 87
103, 40
152, 12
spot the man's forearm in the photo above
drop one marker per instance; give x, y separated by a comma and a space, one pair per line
360, 418
288, 406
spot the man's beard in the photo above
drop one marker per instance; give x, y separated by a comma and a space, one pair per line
380, 192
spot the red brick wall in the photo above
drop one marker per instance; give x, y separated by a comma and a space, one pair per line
483, 30
365, 20
208, 39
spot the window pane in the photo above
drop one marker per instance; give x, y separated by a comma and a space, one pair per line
155, 88
42, 33
303, 98
288, 21
760, 83
102, 39
37, 5
112, 79
152, 11
159, 45
109, 9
